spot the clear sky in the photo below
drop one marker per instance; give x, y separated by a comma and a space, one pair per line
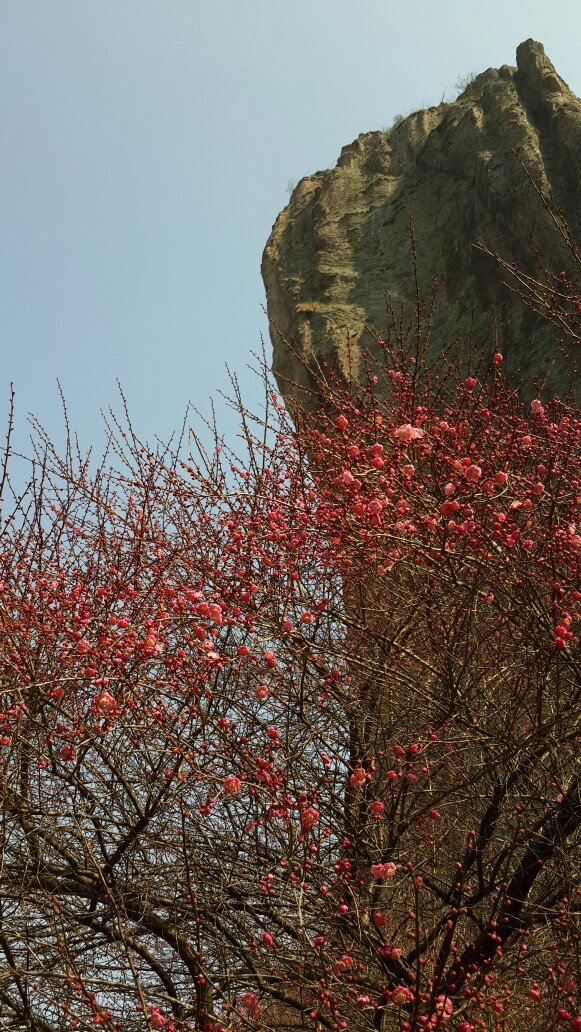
146, 150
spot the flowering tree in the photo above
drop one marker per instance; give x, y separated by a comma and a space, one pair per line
293, 742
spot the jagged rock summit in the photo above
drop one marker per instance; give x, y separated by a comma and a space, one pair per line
343, 240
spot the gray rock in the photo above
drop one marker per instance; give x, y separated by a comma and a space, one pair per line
343, 242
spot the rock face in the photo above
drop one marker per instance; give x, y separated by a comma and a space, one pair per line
343, 240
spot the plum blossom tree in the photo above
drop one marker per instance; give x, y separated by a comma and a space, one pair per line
292, 740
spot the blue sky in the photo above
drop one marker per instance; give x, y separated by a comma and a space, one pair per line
147, 148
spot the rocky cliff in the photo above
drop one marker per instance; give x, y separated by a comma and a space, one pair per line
343, 240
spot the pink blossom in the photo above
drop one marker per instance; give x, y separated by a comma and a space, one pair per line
358, 777
341, 423
250, 1003
383, 870
309, 817
391, 952
401, 995
106, 702
444, 1007
261, 692
379, 919
377, 808
407, 432
343, 964
67, 753
232, 785
156, 1017
473, 473
537, 407
215, 613
448, 509
500, 479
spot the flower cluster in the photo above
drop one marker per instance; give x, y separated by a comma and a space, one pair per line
293, 740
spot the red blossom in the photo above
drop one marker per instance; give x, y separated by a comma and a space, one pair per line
329, 690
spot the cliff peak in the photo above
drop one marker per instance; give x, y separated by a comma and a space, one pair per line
342, 243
